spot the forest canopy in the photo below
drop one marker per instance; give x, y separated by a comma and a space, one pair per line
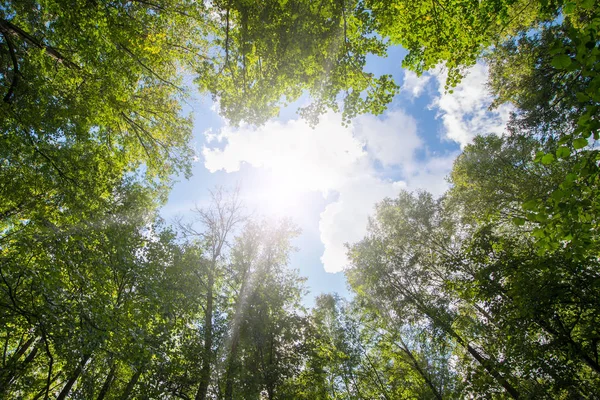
491, 290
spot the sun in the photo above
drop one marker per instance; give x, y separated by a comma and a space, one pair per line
280, 196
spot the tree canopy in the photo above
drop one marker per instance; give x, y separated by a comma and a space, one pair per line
488, 291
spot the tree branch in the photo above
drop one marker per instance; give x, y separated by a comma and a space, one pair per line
15, 77
7, 27
150, 70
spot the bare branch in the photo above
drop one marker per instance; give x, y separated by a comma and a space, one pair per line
216, 221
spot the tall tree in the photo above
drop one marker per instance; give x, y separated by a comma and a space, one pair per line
266, 324
216, 225
398, 265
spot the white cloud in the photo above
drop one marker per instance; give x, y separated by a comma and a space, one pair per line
392, 140
431, 174
414, 84
301, 157
352, 161
464, 112
329, 158
345, 220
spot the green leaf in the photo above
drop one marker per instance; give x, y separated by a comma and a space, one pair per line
518, 221
587, 4
584, 119
564, 139
548, 159
538, 156
580, 143
539, 233
530, 205
582, 97
558, 194
569, 8
570, 177
561, 61
563, 152
568, 237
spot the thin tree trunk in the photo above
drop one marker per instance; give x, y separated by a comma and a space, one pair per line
485, 363
107, 382
69, 385
21, 350
416, 365
13, 368
231, 366
207, 355
8, 27
564, 336
131, 384
42, 393
235, 337
219, 219
23, 366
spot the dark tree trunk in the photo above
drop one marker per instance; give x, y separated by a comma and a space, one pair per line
69, 385
207, 354
421, 372
440, 321
13, 367
131, 384
231, 366
107, 382
235, 338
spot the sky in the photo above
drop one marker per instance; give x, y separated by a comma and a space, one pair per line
328, 179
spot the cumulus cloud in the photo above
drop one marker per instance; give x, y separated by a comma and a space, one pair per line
391, 140
464, 113
314, 159
354, 163
331, 159
430, 175
413, 84
345, 220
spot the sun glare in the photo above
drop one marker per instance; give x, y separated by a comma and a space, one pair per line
281, 196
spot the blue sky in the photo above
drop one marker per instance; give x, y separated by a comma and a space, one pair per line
327, 179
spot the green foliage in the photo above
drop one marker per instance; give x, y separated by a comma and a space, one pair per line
100, 74
518, 323
452, 32
265, 338
488, 292
552, 77
267, 54
88, 292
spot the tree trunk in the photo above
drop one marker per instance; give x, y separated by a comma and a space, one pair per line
421, 372
439, 321
562, 335
107, 382
69, 385
21, 350
484, 362
131, 384
207, 355
231, 366
235, 338
13, 368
